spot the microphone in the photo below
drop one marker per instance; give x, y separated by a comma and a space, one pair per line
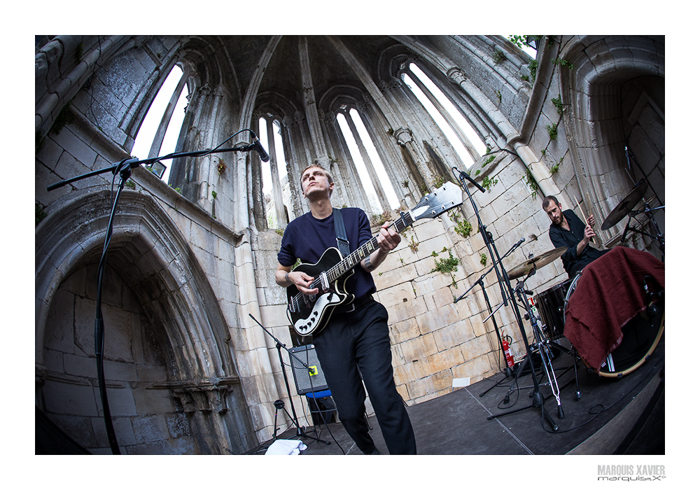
465, 175
261, 151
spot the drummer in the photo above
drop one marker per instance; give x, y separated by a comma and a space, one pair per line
567, 230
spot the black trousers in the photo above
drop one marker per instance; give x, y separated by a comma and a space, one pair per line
354, 343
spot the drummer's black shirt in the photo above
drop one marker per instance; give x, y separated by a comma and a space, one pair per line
570, 239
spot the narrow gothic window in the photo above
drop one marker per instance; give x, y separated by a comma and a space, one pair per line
364, 153
276, 190
160, 128
458, 131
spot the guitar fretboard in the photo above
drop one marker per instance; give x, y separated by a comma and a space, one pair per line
364, 250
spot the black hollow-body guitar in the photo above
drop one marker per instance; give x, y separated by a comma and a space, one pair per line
310, 314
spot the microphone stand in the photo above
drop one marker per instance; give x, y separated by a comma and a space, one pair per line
123, 169
301, 432
507, 292
508, 372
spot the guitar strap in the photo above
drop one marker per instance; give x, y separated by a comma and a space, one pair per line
341, 236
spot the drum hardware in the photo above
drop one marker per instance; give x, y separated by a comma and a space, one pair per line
626, 208
507, 291
541, 346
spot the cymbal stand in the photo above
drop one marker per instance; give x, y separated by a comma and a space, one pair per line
539, 345
658, 235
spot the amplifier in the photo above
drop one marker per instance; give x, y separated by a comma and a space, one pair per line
307, 380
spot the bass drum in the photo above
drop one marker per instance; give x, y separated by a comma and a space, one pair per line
642, 335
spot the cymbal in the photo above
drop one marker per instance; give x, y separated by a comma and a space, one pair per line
536, 262
624, 207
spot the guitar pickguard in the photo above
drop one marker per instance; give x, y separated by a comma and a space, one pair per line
309, 314
318, 316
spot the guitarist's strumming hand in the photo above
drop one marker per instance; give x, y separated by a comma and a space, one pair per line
302, 281
286, 278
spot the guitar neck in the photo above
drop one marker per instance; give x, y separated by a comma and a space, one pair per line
366, 249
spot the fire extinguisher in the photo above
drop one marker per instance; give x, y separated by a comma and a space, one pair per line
508, 353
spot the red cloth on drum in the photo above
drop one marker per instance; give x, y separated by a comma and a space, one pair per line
609, 293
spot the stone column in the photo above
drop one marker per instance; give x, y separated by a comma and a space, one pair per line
383, 201
448, 117
319, 152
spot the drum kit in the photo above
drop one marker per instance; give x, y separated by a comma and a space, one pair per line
547, 313
548, 318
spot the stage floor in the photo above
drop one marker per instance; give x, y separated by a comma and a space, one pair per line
613, 416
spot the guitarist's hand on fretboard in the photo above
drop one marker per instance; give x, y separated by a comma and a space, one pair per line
387, 240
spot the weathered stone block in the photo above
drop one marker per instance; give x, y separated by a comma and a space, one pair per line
392, 277
437, 319
432, 384
402, 293
476, 348
441, 361
453, 335
403, 331
150, 429
418, 348
405, 310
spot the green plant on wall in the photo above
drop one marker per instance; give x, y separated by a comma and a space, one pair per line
413, 245
446, 266
483, 259
552, 131
559, 105
531, 182
462, 227
555, 168
498, 56
533, 69
488, 182
563, 63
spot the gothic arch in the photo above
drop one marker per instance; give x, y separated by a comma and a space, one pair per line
593, 92
156, 262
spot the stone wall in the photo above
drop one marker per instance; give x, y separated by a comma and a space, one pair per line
189, 271
143, 416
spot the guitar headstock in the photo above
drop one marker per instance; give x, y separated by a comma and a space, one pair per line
437, 202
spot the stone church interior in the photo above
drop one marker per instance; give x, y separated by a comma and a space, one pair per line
155, 282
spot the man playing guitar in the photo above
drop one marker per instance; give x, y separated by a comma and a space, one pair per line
354, 345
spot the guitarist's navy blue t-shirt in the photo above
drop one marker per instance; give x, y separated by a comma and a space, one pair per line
307, 238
